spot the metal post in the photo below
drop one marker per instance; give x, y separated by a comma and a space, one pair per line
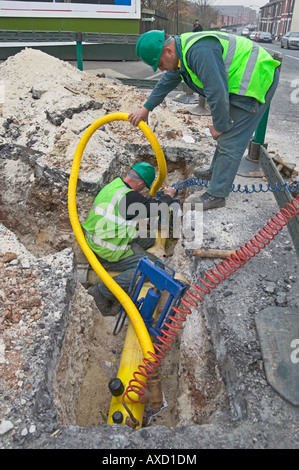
259, 136
202, 108
79, 50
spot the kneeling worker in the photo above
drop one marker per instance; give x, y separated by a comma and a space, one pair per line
111, 228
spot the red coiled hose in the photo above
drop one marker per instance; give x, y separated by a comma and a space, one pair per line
214, 277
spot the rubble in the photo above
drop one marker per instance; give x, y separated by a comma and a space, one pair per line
57, 353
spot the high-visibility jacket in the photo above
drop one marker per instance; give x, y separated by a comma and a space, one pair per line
249, 67
107, 233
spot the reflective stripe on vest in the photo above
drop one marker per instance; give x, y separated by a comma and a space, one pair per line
106, 244
249, 67
110, 216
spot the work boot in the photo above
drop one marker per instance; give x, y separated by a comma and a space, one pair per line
105, 305
205, 174
210, 202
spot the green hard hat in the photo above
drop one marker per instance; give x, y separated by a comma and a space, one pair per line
149, 47
146, 171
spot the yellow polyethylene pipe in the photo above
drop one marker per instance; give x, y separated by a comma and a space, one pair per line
131, 358
135, 318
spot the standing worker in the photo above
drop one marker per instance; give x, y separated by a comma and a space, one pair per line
111, 229
236, 76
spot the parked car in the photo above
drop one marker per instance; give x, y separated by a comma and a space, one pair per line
245, 32
290, 39
252, 35
264, 37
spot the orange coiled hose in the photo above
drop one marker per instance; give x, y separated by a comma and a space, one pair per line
214, 277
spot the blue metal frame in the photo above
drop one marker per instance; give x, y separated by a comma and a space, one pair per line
162, 279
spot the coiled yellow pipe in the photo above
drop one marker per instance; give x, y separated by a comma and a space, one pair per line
135, 318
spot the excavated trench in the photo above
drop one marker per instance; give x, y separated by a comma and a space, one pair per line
34, 207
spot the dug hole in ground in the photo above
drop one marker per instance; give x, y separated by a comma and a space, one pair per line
57, 352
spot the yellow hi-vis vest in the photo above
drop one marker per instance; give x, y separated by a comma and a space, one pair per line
249, 67
107, 233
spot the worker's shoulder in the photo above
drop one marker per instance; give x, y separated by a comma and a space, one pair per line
206, 45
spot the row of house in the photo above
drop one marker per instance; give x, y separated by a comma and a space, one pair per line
279, 16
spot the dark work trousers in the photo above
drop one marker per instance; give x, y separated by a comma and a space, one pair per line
127, 266
231, 145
